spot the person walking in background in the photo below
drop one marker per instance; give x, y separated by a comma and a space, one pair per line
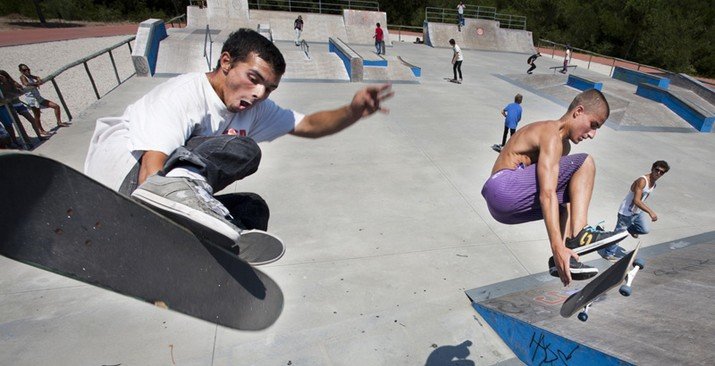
633, 210
512, 116
460, 15
567, 59
34, 99
532, 61
457, 59
379, 40
12, 89
298, 26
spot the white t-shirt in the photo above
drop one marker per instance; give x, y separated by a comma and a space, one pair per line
460, 9
458, 52
166, 117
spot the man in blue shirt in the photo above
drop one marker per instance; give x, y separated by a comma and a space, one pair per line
512, 114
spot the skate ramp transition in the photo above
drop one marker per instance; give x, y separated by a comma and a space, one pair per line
478, 34
353, 26
668, 320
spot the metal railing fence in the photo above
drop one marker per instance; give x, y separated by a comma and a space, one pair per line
320, 6
6, 102
208, 40
589, 56
448, 15
399, 28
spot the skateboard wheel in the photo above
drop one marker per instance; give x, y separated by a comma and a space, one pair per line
582, 316
625, 290
639, 262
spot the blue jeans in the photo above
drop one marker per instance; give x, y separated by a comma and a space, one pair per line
222, 160
635, 224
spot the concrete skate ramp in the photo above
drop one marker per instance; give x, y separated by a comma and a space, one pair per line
316, 27
629, 112
668, 320
321, 66
360, 26
182, 51
479, 34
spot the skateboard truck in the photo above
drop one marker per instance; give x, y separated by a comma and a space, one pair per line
638, 264
625, 289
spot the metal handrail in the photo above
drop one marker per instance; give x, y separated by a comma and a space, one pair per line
305, 48
448, 15
320, 6
594, 54
51, 77
6, 102
176, 18
400, 28
207, 38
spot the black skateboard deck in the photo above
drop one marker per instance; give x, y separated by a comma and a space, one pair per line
453, 80
496, 147
57, 219
606, 281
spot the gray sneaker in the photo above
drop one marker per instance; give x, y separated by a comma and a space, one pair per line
184, 198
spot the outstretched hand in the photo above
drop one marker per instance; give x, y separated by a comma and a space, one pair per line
367, 101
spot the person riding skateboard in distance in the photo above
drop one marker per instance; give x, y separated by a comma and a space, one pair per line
535, 178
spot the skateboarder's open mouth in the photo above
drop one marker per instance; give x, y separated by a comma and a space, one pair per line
244, 105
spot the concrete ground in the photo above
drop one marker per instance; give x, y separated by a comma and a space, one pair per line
385, 227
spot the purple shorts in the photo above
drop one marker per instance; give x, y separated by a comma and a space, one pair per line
513, 195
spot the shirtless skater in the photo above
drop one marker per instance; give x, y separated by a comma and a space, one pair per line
535, 178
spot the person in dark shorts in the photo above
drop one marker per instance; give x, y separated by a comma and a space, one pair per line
512, 116
532, 61
535, 178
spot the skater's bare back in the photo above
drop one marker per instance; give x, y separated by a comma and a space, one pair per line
529, 142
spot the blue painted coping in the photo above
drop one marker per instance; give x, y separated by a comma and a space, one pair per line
346, 59
416, 71
694, 117
536, 346
583, 84
374, 63
636, 77
158, 33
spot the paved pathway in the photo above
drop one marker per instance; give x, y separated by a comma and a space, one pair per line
27, 36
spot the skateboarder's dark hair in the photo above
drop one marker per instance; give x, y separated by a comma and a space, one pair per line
661, 164
592, 100
243, 42
518, 98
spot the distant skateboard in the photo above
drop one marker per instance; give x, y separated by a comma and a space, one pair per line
453, 80
57, 219
496, 147
606, 281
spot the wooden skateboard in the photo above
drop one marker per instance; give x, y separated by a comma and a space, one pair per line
610, 278
57, 219
453, 80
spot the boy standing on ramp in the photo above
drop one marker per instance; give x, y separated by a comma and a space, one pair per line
535, 178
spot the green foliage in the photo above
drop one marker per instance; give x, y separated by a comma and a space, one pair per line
674, 35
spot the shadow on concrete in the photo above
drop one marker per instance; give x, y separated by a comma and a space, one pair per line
451, 355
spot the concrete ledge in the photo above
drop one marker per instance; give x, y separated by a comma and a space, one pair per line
416, 70
636, 77
351, 59
690, 113
146, 48
583, 83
